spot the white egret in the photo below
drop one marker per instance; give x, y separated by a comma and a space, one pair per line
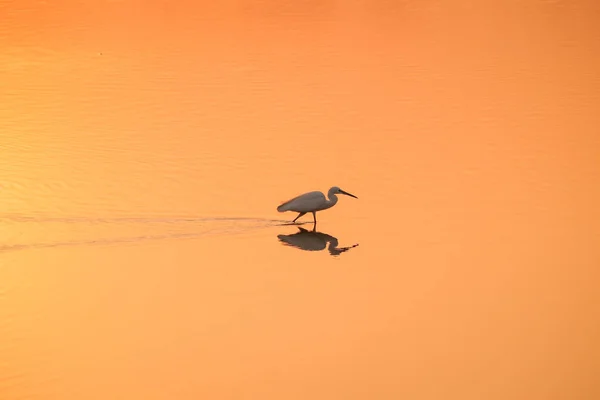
312, 202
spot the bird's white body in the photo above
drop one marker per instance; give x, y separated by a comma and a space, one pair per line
312, 202
308, 202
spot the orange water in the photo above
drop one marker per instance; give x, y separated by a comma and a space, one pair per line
145, 146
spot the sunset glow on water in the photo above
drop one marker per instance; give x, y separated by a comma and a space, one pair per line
145, 147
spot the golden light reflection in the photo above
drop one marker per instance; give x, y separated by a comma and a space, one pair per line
144, 149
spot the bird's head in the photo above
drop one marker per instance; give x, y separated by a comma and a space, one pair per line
336, 190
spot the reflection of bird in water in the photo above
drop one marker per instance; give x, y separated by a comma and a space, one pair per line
312, 202
313, 241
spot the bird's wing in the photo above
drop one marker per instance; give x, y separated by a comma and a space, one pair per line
306, 196
283, 205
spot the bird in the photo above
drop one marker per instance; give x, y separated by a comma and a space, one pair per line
312, 202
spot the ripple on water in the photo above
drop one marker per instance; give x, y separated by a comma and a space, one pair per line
33, 232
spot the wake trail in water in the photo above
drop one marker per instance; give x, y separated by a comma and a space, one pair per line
141, 220
98, 241
102, 229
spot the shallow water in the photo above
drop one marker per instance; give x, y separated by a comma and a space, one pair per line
144, 150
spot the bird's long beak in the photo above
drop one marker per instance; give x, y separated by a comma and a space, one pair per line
348, 194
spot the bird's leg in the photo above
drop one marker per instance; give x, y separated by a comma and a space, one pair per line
299, 215
315, 217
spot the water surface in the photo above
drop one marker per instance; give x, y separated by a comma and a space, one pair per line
144, 150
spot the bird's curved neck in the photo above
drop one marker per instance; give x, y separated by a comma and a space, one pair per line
332, 199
